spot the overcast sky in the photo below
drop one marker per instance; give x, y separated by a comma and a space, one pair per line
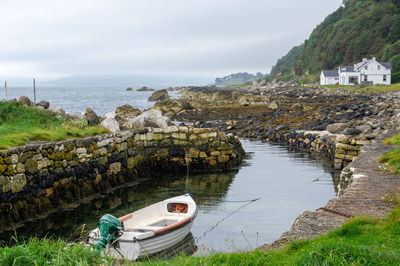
50, 39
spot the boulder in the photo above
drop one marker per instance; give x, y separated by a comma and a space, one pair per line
43, 104
273, 106
150, 118
160, 95
75, 116
91, 117
244, 101
25, 100
222, 95
127, 111
145, 89
57, 110
110, 115
335, 128
352, 131
111, 124
263, 82
129, 89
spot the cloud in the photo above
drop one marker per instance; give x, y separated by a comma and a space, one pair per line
55, 38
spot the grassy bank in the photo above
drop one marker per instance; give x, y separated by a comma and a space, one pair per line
361, 241
391, 159
20, 124
49, 252
374, 88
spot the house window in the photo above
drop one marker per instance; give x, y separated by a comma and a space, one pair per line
379, 67
365, 78
366, 67
384, 78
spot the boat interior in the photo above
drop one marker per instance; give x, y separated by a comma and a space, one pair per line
174, 216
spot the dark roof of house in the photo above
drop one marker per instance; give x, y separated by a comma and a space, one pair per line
387, 65
330, 73
346, 68
361, 64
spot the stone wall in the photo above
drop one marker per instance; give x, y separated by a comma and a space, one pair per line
42, 178
340, 149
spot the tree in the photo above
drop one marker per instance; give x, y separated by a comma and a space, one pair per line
395, 63
394, 33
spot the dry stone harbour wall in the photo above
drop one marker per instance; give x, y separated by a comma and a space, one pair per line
42, 178
341, 149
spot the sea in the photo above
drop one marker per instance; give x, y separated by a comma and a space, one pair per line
75, 99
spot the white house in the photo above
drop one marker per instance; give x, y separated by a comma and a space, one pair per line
369, 70
329, 77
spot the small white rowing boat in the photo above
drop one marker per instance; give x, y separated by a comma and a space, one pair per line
147, 231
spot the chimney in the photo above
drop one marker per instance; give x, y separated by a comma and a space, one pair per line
365, 59
374, 58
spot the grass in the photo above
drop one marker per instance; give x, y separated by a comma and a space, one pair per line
391, 159
50, 252
239, 85
20, 124
374, 88
361, 241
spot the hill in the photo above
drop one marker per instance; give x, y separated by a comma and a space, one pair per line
359, 28
238, 78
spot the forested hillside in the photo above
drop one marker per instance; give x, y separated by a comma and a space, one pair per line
359, 28
286, 63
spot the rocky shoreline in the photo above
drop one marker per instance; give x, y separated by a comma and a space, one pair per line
344, 126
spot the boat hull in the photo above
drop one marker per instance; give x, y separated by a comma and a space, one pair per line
137, 249
151, 230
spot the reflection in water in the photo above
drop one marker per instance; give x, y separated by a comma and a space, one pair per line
286, 183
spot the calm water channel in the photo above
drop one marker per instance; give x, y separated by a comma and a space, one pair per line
286, 184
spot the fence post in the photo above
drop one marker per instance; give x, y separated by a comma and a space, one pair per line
34, 92
5, 90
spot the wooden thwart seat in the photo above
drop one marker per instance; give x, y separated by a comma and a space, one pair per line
147, 228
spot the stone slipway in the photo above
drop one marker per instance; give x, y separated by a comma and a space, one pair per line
363, 197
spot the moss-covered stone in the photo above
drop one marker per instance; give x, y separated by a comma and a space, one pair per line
69, 156
31, 166
58, 164
7, 160
3, 168
9, 170
158, 137
203, 154
91, 147
17, 183
115, 168
103, 160
20, 168
131, 162
223, 158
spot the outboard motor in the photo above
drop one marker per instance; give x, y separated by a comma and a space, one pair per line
110, 229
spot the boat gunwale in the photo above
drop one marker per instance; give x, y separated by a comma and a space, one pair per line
164, 232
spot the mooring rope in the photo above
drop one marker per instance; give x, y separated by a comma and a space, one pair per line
321, 176
224, 218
